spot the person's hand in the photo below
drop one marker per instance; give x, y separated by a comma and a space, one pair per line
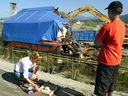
35, 87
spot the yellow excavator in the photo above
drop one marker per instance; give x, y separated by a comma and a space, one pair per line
70, 16
91, 10
88, 8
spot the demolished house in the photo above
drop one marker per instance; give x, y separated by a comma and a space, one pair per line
33, 28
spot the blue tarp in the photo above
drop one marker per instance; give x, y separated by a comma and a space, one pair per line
33, 25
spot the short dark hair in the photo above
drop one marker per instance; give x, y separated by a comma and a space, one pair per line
116, 7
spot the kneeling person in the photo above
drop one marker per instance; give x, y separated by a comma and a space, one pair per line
26, 68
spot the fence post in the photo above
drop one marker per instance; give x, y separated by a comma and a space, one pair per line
12, 55
72, 70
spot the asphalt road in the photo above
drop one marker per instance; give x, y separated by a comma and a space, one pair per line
8, 85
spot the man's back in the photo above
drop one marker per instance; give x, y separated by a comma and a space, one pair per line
110, 53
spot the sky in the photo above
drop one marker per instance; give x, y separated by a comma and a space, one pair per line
63, 5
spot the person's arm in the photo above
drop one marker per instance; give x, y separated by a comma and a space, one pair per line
32, 84
100, 36
25, 75
35, 68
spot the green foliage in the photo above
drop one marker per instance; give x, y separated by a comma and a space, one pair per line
1, 43
125, 59
91, 23
122, 82
0, 27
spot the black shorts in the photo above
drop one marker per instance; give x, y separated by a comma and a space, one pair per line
106, 77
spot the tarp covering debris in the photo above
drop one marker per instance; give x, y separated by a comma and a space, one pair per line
33, 25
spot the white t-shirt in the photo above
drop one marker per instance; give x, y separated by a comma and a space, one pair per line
23, 65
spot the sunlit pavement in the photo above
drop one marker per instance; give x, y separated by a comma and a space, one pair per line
8, 85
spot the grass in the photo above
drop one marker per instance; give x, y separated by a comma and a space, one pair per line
91, 23
1, 27
122, 83
125, 60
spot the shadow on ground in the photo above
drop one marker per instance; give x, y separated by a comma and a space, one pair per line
59, 91
9, 77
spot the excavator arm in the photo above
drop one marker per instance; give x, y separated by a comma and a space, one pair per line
88, 8
79, 11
